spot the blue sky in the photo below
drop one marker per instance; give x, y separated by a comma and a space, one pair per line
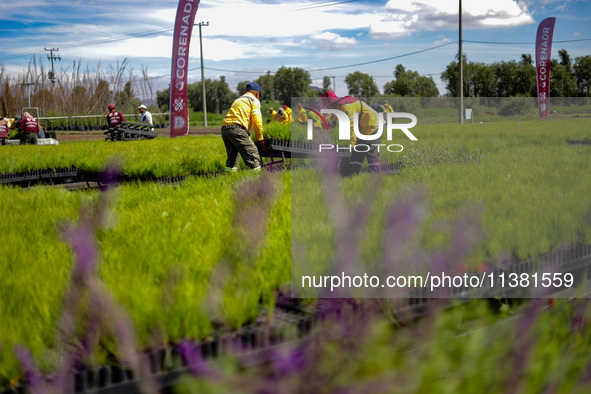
246, 38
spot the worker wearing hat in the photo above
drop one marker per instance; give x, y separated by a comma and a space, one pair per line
273, 114
388, 107
29, 129
244, 115
368, 125
145, 116
114, 117
282, 116
288, 112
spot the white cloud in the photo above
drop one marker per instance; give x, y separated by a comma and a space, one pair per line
243, 18
407, 17
334, 41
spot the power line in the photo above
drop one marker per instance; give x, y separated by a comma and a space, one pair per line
96, 42
237, 71
349, 65
524, 43
328, 4
122, 38
386, 59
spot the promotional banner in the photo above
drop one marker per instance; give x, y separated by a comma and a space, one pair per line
543, 50
179, 103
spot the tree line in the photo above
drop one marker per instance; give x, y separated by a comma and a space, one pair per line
568, 77
84, 92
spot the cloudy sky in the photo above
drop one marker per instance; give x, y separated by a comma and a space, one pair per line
248, 37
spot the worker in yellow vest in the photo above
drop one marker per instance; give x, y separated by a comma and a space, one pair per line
273, 114
302, 114
288, 112
244, 114
282, 116
368, 125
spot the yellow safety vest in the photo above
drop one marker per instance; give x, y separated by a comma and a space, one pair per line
246, 112
368, 118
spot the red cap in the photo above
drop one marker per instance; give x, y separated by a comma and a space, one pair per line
330, 97
284, 106
111, 107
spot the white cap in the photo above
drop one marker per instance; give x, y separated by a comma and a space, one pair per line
142, 106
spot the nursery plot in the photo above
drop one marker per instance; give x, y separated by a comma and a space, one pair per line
161, 247
522, 178
164, 247
154, 158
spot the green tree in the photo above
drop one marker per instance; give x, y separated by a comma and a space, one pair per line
526, 77
562, 82
326, 84
241, 87
506, 76
219, 96
195, 94
361, 85
163, 99
451, 77
484, 83
126, 100
267, 84
565, 59
410, 83
582, 69
291, 82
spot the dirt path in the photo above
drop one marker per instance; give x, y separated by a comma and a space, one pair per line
93, 135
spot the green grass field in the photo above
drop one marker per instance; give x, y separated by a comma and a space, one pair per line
163, 245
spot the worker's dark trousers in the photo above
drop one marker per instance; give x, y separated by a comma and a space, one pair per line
238, 141
29, 138
362, 150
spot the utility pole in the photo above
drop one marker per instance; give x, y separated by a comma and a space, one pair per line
334, 85
52, 58
28, 85
203, 74
461, 71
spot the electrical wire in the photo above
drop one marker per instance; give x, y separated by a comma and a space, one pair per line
524, 43
385, 59
96, 42
328, 4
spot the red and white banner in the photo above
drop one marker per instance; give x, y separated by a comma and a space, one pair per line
543, 50
179, 102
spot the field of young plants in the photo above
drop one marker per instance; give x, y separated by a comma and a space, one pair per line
186, 260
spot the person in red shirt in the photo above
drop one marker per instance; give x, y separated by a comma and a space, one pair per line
114, 117
29, 129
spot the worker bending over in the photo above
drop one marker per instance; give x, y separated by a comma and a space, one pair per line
288, 112
282, 116
29, 129
368, 125
388, 107
302, 117
244, 114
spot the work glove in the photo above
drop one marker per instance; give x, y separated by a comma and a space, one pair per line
261, 145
